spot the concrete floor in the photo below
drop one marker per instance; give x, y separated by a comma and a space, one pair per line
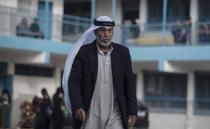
69, 127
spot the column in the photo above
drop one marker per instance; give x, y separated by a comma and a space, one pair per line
34, 6
164, 21
57, 77
143, 14
140, 87
118, 21
194, 15
11, 68
190, 101
113, 9
57, 21
47, 19
93, 2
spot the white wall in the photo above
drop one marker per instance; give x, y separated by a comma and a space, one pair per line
103, 7
11, 3
201, 122
58, 60
170, 67
6, 19
166, 121
18, 56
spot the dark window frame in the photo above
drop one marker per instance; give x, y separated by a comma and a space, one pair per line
202, 93
34, 70
201, 8
168, 101
3, 69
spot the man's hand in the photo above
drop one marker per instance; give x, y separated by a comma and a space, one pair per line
80, 114
131, 120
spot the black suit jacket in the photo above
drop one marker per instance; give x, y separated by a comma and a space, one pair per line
83, 78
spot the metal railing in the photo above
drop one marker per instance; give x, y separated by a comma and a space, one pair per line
33, 24
21, 22
176, 34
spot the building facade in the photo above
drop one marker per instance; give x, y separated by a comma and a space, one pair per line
169, 42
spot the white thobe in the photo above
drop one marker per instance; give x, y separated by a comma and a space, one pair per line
104, 112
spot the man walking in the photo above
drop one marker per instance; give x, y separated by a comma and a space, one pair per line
100, 80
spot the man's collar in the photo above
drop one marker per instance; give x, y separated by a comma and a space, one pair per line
102, 53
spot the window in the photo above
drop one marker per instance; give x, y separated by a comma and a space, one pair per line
76, 19
130, 10
202, 94
32, 70
3, 69
77, 8
155, 11
204, 11
178, 9
165, 91
175, 9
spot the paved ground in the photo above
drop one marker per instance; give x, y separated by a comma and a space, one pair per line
68, 127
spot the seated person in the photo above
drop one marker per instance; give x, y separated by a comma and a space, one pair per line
23, 29
36, 32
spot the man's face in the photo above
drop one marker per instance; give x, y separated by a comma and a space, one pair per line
104, 35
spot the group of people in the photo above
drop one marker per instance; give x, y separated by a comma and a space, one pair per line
47, 111
182, 32
43, 112
23, 29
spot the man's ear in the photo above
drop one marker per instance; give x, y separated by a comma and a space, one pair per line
95, 32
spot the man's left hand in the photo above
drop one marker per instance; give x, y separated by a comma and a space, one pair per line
131, 120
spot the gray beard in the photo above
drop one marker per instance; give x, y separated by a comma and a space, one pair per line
104, 44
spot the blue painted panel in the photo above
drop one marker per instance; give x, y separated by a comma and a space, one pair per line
113, 9
156, 53
150, 53
45, 23
35, 45
161, 65
6, 82
93, 4
47, 57
9, 84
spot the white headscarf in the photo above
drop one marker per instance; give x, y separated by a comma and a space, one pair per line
86, 38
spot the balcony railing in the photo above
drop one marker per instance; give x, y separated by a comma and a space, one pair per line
21, 22
33, 24
175, 34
